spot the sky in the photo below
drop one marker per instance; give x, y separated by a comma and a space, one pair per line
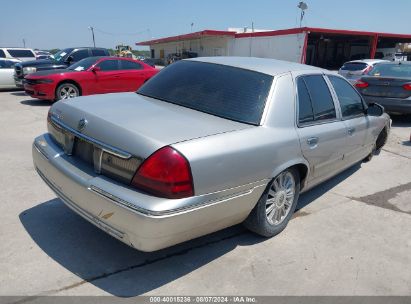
58, 24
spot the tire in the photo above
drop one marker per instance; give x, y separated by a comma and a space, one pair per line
381, 139
67, 90
370, 156
275, 198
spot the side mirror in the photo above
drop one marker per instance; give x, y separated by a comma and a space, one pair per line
69, 59
375, 109
96, 69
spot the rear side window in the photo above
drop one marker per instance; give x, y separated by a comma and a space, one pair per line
21, 53
224, 91
98, 53
109, 65
350, 101
354, 66
80, 54
2, 55
321, 99
305, 110
130, 65
315, 103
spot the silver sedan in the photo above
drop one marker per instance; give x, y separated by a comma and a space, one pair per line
205, 144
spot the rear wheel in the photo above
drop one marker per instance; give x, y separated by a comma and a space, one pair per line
276, 206
67, 90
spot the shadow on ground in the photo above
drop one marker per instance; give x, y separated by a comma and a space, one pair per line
15, 91
99, 259
36, 102
19, 93
403, 121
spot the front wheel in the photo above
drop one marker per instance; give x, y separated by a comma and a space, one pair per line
66, 91
276, 206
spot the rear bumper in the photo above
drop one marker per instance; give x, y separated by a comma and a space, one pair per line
104, 203
391, 105
40, 91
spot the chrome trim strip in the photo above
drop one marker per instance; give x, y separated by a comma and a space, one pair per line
105, 147
109, 229
119, 201
147, 212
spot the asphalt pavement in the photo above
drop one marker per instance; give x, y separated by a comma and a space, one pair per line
351, 235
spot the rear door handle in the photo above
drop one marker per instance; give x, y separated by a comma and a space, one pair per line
351, 131
312, 141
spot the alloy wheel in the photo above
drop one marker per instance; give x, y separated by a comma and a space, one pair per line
280, 198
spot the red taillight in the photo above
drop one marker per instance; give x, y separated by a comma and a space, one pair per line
361, 84
407, 86
49, 115
166, 173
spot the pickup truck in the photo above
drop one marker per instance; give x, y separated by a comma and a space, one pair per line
61, 60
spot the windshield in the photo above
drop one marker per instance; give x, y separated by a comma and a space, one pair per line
354, 66
62, 55
220, 90
83, 64
391, 70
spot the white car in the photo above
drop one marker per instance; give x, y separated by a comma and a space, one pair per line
7, 72
22, 54
354, 70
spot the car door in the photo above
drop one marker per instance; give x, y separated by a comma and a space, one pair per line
108, 76
321, 132
356, 122
133, 75
6, 74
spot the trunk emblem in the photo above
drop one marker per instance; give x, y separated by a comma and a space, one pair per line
82, 124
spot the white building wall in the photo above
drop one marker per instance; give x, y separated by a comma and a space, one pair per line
208, 46
284, 47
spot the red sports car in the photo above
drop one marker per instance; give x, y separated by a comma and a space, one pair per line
92, 75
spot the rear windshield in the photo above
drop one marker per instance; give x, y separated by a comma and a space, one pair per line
391, 70
220, 90
20, 53
354, 66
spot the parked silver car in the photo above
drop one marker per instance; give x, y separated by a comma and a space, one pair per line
205, 144
354, 70
7, 73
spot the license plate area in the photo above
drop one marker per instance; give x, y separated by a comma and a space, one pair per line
83, 150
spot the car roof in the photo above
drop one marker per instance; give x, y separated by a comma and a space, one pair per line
263, 65
10, 59
368, 61
85, 47
15, 48
397, 62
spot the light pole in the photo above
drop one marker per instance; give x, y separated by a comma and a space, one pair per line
302, 6
92, 33
24, 43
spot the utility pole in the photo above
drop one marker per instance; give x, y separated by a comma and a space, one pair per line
92, 33
24, 43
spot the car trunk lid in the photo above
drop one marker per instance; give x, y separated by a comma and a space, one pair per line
390, 87
137, 124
